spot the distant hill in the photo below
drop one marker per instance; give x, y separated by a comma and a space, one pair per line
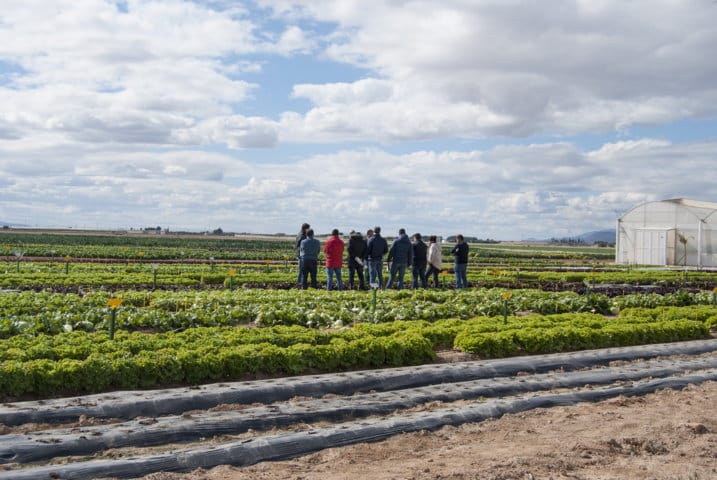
598, 236
589, 238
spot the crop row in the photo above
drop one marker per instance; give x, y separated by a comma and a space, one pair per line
32, 313
145, 274
75, 362
137, 247
151, 246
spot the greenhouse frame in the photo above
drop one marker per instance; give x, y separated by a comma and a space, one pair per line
678, 232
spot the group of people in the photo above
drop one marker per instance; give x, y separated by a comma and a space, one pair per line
365, 258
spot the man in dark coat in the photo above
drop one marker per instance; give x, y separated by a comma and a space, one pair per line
376, 248
400, 257
299, 238
356, 258
420, 260
460, 253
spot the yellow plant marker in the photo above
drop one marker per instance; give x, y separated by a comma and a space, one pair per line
114, 303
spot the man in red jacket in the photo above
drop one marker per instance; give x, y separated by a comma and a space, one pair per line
334, 250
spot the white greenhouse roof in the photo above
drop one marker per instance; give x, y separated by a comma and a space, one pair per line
693, 203
699, 209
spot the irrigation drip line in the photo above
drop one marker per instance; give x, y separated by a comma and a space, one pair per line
286, 446
42, 445
132, 404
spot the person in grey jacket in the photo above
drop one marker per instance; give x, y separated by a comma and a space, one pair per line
309, 253
299, 238
400, 256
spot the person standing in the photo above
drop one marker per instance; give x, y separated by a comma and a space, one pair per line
418, 266
334, 250
356, 258
376, 248
299, 238
460, 254
400, 257
435, 261
309, 254
367, 270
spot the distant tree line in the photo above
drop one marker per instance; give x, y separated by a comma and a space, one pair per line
578, 241
452, 239
567, 241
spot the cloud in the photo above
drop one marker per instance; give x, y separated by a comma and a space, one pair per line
257, 116
505, 192
293, 40
511, 68
97, 73
235, 131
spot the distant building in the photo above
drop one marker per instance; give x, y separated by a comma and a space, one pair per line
668, 232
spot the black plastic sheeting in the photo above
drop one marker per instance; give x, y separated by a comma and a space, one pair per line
286, 446
133, 404
42, 445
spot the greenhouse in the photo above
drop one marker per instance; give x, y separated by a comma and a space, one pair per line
678, 232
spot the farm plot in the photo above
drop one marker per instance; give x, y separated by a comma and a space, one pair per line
105, 328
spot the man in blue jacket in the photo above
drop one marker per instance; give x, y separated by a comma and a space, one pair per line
376, 248
309, 254
400, 256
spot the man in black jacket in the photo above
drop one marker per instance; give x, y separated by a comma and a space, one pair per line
420, 260
400, 256
460, 254
356, 258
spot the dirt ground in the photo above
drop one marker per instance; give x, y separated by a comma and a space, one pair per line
667, 435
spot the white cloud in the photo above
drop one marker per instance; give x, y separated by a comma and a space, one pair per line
150, 112
503, 192
293, 40
360, 92
98, 74
512, 68
235, 131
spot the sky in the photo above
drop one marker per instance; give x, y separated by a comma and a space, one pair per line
502, 119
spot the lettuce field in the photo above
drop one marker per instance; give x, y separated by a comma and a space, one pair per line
84, 313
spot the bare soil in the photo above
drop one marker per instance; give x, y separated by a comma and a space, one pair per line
668, 435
